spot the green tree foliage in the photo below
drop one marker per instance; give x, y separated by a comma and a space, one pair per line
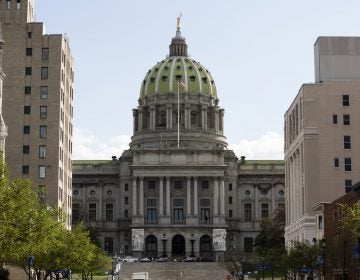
30, 228
351, 218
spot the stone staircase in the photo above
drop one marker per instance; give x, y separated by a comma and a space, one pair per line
176, 270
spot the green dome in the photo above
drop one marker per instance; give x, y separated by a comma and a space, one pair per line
163, 77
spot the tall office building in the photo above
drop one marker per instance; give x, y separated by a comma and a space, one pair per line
3, 128
38, 104
322, 138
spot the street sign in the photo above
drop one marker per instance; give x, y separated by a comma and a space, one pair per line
31, 260
228, 277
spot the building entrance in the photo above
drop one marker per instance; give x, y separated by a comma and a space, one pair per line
151, 246
178, 245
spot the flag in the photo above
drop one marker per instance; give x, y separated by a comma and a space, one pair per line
183, 85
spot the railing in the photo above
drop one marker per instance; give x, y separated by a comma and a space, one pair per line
102, 168
151, 222
261, 167
178, 222
205, 222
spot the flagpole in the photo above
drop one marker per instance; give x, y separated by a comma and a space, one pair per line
178, 116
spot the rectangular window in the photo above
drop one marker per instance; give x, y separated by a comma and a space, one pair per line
109, 212
27, 90
346, 119
42, 171
336, 162
26, 129
347, 142
335, 119
29, 35
28, 71
75, 213
248, 244
320, 222
347, 163
230, 200
264, 210
44, 93
42, 151
25, 169
151, 215
230, 187
346, 100
44, 73
151, 184
178, 202
247, 212
109, 245
205, 202
178, 185
151, 202
230, 213
27, 110
8, 4
178, 217
126, 200
43, 131
205, 184
348, 185
126, 213
204, 216
43, 112
18, 4
45, 54
92, 212
28, 51
26, 149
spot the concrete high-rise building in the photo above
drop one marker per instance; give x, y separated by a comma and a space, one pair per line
322, 139
38, 104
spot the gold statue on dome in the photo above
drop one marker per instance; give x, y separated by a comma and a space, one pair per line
178, 22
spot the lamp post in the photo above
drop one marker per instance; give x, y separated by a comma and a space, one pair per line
164, 239
192, 239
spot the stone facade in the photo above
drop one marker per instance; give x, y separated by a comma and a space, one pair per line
38, 104
321, 136
178, 190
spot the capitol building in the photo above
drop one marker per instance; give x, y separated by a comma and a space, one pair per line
178, 190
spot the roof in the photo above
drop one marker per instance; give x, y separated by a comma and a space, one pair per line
78, 162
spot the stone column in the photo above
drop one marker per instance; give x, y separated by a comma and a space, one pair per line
256, 192
134, 206
188, 196
222, 197
161, 196
141, 197
100, 215
221, 120
152, 117
187, 116
168, 116
135, 114
204, 117
167, 196
216, 197
273, 203
195, 197
140, 119
216, 119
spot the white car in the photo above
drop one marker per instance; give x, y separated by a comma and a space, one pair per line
130, 259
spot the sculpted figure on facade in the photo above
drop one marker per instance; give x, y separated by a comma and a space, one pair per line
137, 239
219, 236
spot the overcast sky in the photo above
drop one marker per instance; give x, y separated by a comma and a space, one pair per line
259, 53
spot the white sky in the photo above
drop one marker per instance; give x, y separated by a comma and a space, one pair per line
258, 51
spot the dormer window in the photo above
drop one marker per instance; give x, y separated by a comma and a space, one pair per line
152, 80
204, 80
178, 67
166, 68
212, 82
156, 69
178, 60
190, 68
192, 78
200, 69
178, 77
164, 78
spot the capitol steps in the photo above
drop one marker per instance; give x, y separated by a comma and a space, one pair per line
176, 270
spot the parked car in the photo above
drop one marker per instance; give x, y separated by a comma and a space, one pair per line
189, 259
145, 259
162, 259
130, 259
